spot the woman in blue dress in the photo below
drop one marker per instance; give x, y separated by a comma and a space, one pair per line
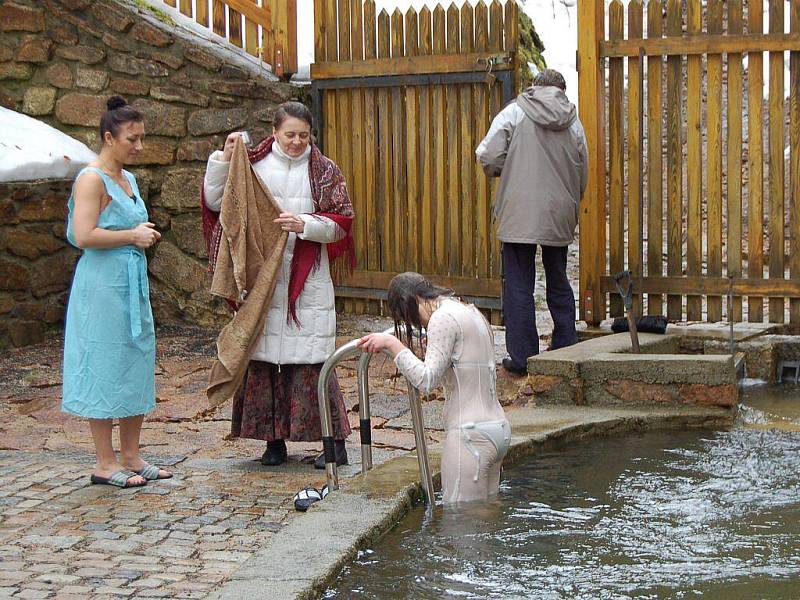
109, 341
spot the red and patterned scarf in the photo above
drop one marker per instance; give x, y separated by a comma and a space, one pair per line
331, 200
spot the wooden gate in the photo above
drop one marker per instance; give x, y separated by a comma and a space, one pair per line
690, 176
404, 101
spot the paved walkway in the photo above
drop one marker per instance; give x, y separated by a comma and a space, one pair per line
61, 537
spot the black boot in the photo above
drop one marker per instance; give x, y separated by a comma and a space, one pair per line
275, 454
340, 453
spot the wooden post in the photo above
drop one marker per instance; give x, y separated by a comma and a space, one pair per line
591, 75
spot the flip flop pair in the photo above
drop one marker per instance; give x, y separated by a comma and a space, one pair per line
122, 478
308, 496
119, 479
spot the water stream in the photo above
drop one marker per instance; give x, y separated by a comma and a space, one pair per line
659, 515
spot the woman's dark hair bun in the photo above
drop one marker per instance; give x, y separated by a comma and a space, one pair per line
116, 102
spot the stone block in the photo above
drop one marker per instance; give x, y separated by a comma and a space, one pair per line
39, 311
88, 55
205, 122
50, 207
53, 273
199, 149
161, 118
14, 276
186, 228
15, 17
118, 42
204, 59
59, 75
181, 189
160, 218
63, 34
157, 151
230, 71
176, 94
112, 16
34, 49
8, 100
30, 243
274, 92
7, 303
709, 395
25, 333
171, 60
39, 101
151, 35
176, 269
129, 87
80, 109
6, 53
183, 80
265, 114
93, 79
76, 4
13, 70
124, 63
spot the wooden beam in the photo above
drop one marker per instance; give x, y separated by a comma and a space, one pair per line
410, 65
591, 87
255, 13
466, 286
701, 44
717, 286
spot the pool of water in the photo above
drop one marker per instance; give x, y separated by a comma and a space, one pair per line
660, 515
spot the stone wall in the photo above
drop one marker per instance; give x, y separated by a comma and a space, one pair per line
59, 62
36, 262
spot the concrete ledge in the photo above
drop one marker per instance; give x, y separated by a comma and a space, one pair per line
304, 558
603, 371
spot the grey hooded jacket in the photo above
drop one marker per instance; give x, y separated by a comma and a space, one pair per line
536, 145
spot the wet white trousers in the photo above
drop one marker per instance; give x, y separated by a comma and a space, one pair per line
471, 460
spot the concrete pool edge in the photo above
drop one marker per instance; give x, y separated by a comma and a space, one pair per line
303, 559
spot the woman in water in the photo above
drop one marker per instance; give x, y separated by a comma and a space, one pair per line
459, 353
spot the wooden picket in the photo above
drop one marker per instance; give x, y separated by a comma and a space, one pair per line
404, 101
263, 28
714, 224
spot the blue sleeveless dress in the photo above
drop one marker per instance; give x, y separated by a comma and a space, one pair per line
109, 340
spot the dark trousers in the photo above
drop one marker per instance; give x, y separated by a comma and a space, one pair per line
519, 310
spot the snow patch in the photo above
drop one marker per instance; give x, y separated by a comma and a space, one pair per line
31, 150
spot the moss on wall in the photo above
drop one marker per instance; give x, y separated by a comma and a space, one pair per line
530, 51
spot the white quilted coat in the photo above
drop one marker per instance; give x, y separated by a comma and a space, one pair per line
282, 341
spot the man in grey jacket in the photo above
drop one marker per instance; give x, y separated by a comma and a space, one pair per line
537, 147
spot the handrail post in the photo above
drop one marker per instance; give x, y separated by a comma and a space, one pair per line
326, 420
364, 412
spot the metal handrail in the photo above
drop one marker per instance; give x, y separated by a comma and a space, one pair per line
331, 469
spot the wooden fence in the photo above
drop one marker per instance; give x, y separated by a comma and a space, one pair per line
263, 28
690, 176
404, 100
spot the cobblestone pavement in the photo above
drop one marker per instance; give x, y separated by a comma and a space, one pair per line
61, 537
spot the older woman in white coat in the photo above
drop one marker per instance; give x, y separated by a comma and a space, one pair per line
278, 398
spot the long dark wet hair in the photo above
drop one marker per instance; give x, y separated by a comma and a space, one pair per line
405, 291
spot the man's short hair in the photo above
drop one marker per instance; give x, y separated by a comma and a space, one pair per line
550, 77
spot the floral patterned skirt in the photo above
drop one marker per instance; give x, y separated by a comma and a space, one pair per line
282, 404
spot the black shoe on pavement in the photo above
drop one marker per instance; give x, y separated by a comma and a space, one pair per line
275, 454
509, 366
340, 453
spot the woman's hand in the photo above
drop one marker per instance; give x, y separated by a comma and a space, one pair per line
230, 142
145, 235
378, 342
290, 222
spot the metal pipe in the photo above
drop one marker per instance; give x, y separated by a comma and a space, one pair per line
326, 421
422, 448
364, 412
331, 470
